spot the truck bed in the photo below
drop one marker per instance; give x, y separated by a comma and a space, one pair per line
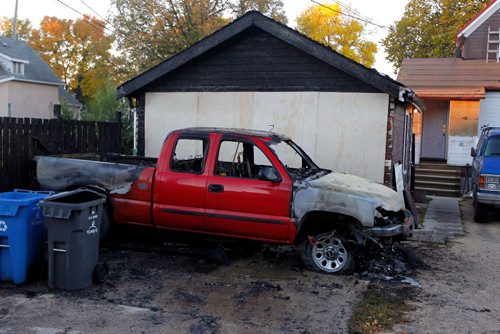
56, 173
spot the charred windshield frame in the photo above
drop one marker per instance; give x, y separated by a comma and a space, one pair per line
308, 166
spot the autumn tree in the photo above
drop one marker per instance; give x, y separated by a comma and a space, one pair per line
148, 31
343, 34
271, 8
23, 28
428, 29
77, 51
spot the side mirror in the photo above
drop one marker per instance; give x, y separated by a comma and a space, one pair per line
269, 174
473, 152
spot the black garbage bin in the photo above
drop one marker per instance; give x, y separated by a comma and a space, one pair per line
73, 221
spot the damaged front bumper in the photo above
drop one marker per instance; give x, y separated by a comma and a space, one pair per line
392, 230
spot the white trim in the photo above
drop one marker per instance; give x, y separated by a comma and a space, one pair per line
38, 82
14, 59
6, 79
480, 20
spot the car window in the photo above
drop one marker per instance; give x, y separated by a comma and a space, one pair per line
492, 147
240, 159
189, 155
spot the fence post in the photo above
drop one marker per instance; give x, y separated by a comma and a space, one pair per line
119, 145
57, 111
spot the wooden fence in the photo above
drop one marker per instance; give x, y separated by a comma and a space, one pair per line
23, 138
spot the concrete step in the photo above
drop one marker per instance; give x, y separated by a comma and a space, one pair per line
428, 165
444, 178
440, 192
444, 172
437, 184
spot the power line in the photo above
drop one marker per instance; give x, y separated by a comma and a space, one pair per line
358, 18
144, 47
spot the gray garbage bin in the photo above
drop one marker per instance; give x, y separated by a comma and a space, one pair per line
73, 221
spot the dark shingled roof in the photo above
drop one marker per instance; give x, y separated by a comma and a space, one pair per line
68, 97
369, 76
36, 70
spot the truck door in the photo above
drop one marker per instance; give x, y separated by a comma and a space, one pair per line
179, 201
241, 203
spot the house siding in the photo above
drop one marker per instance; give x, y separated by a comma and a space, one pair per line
257, 61
345, 132
29, 99
490, 111
475, 44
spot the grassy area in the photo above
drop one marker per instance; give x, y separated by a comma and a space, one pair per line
380, 309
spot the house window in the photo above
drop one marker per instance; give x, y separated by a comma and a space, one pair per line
17, 68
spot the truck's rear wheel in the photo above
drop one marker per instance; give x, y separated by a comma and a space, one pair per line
480, 213
327, 253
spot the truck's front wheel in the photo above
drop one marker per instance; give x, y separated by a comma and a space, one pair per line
327, 253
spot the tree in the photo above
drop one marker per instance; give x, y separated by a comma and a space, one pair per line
103, 105
428, 29
346, 36
78, 52
23, 28
271, 8
149, 31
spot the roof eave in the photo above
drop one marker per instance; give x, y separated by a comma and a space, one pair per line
479, 20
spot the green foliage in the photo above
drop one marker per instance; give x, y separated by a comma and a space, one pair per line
428, 29
103, 106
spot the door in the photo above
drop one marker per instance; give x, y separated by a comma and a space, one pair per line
239, 202
182, 185
435, 129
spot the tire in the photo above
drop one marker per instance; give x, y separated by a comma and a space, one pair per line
328, 254
480, 213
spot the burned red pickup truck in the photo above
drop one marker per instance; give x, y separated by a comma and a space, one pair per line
242, 184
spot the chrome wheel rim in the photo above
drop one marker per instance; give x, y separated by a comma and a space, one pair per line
329, 254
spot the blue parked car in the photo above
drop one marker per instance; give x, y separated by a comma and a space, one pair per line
486, 173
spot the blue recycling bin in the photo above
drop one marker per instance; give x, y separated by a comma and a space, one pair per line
22, 234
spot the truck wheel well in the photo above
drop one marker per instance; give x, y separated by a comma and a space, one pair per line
319, 221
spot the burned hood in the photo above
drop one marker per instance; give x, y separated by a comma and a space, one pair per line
358, 186
346, 194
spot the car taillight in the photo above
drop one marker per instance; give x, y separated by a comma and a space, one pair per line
481, 181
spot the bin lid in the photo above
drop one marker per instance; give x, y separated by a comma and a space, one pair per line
11, 201
63, 204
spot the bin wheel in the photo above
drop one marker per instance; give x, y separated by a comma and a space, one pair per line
101, 273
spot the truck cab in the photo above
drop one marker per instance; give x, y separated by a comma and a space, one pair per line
486, 173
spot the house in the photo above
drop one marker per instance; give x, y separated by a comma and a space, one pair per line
461, 94
257, 73
28, 87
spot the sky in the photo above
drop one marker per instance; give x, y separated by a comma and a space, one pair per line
382, 12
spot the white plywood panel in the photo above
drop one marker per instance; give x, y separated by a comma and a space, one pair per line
459, 150
341, 131
166, 112
351, 133
291, 113
489, 111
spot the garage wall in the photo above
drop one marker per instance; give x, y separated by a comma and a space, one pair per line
342, 131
